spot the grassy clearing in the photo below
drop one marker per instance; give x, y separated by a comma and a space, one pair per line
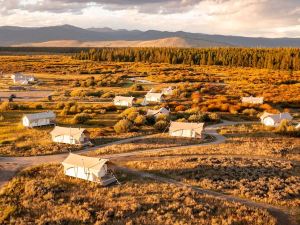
43, 195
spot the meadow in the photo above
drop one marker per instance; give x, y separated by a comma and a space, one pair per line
43, 194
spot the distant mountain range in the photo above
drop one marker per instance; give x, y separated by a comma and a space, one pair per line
71, 36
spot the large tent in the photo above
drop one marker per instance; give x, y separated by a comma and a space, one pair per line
88, 168
182, 129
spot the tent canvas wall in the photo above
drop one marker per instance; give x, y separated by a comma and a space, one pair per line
182, 129
88, 168
274, 120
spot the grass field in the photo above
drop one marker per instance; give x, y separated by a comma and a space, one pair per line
274, 182
44, 195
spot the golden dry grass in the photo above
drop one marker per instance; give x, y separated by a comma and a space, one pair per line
275, 182
150, 142
43, 195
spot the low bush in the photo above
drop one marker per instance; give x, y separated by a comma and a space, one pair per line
81, 118
161, 125
137, 87
140, 120
123, 126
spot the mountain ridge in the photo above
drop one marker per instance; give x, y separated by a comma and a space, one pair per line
29, 36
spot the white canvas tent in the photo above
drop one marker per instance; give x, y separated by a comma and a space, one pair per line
39, 119
182, 129
88, 168
123, 101
154, 97
274, 120
68, 135
156, 113
253, 100
19, 78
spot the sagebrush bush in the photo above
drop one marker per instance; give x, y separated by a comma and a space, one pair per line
81, 118
123, 126
140, 120
161, 125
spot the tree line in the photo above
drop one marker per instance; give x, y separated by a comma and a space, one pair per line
270, 58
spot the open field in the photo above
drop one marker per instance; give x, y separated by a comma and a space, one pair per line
50, 197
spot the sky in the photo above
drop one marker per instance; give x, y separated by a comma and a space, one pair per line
265, 18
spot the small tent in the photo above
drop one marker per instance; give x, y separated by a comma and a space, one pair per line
88, 168
154, 97
182, 129
39, 119
253, 100
123, 101
274, 120
156, 113
68, 135
19, 78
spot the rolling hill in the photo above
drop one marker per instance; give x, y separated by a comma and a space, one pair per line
71, 36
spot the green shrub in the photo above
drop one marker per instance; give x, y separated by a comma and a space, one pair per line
128, 111
38, 106
140, 120
162, 117
132, 116
137, 87
161, 125
81, 118
5, 106
65, 111
123, 126
250, 112
108, 95
60, 105
214, 117
199, 118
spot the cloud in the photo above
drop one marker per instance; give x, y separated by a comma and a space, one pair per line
271, 18
142, 6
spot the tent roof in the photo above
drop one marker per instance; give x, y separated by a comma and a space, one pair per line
74, 132
123, 98
42, 115
151, 94
154, 112
186, 126
84, 161
266, 114
280, 116
252, 98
